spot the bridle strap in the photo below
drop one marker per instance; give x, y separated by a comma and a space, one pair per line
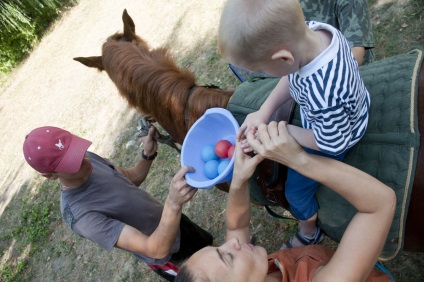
190, 92
187, 108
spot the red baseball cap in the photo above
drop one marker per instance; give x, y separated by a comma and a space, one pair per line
49, 149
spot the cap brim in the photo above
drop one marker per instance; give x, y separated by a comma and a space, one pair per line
72, 160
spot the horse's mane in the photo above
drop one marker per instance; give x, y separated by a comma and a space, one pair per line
149, 80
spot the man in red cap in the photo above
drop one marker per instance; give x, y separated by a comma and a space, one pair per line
103, 203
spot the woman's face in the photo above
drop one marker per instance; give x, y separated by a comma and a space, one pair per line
231, 262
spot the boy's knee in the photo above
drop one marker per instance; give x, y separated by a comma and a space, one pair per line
305, 212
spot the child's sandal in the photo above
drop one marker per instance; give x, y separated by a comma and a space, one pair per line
316, 239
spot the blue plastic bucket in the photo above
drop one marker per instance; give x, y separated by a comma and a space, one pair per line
216, 124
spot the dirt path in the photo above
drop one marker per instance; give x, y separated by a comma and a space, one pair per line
52, 89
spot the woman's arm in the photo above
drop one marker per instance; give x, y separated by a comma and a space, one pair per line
364, 237
238, 203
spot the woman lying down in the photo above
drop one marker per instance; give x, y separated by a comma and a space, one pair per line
238, 260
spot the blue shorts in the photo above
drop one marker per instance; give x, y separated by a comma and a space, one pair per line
300, 190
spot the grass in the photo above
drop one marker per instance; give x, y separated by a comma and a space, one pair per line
396, 32
28, 229
35, 244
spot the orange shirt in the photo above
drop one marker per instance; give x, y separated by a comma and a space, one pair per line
300, 264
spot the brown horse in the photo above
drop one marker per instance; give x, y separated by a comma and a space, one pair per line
156, 85
152, 83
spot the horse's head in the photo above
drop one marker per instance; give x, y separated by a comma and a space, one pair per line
128, 35
148, 79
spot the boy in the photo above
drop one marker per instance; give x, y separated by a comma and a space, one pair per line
317, 70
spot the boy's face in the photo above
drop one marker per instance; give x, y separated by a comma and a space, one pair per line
274, 67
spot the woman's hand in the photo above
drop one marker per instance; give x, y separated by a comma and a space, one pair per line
274, 142
244, 164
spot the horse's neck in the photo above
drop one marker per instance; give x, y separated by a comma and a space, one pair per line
186, 112
204, 98
158, 88
169, 108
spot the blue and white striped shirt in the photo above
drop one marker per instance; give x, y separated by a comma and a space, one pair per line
333, 100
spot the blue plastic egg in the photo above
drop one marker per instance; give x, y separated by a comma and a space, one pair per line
208, 153
211, 169
223, 165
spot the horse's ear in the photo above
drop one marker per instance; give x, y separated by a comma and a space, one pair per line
129, 26
91, 62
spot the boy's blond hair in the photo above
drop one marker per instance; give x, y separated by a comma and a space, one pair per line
250, 29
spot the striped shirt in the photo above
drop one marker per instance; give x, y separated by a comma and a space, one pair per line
333, 100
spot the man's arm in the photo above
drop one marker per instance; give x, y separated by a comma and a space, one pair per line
355, 24
138, 173
159, 243
359, 54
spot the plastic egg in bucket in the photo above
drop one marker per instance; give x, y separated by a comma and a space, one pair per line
215, 125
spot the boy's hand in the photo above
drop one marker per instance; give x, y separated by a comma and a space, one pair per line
252, 120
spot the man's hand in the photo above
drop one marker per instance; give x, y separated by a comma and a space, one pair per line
179, 191
150, 144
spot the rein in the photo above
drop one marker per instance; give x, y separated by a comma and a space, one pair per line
144, 124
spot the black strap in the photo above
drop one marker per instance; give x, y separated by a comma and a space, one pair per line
148, 158
187, 110
274, 214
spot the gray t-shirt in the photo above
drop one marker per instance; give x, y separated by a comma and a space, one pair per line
99, 209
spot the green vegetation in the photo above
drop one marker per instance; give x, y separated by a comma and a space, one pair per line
30, 228
397, 32
22, 24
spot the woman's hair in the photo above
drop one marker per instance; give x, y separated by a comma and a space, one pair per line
250, 29
185, 274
